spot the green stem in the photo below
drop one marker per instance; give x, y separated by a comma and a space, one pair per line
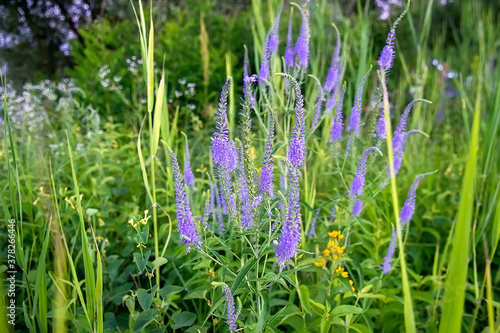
408, 306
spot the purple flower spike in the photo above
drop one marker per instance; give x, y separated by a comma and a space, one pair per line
387, 55
409, 206
386, 266
289, 240
289, 51
185, 222
247, 82
221, 153
381, 131
188, 172
312, 228
355, 120
302, 44
336, 132
266, 175
319, 104
274, 39
333, 72
399, 134
231, 315
297, 149
264, 64
332, 214
399, 152
358, 206
358, 183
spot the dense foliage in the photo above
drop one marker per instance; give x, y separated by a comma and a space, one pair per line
321, 179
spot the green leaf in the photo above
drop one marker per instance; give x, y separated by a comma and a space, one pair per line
144, 234
183, 319
167, 291
146, 299
200, 292
304, 298
143, 320
91, 211
264, 313
318, 308
345, 310
159, 262
241, 274
140, 261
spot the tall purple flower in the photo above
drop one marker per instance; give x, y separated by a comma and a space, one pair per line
358, 184
317, 109
381, 131
289, 240
399, 152
247, 82
399, 133
185, 222
264, 64
332, 214
355, 120
312, 228
302, 44
266, 175
333, 72
188, 173
297, 149
246, 203
337, 127
387, 55
289, 51
274, 39
223, 152
217, 207
231, 314
386, 265
357, 207
409, 206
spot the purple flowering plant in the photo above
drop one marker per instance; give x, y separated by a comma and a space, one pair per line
252, 235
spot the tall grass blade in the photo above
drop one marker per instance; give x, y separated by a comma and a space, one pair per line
40, 300
87, 259
453, 300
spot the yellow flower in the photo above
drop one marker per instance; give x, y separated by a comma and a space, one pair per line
339, 270
351, 282
320, 263
345, 274
326, 253
331, 244
336, 257
339, 235
334, 234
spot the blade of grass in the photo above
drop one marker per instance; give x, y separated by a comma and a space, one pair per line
87, 259
454, 295
40, 299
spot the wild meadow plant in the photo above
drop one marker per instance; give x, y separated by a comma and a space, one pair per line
251, 233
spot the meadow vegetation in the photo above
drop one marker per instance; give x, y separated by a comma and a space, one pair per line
260, 171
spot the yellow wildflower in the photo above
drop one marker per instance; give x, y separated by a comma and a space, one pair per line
331, 244
351, 282
320, 263
345, 274
339, 270
334, 234
326, 253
